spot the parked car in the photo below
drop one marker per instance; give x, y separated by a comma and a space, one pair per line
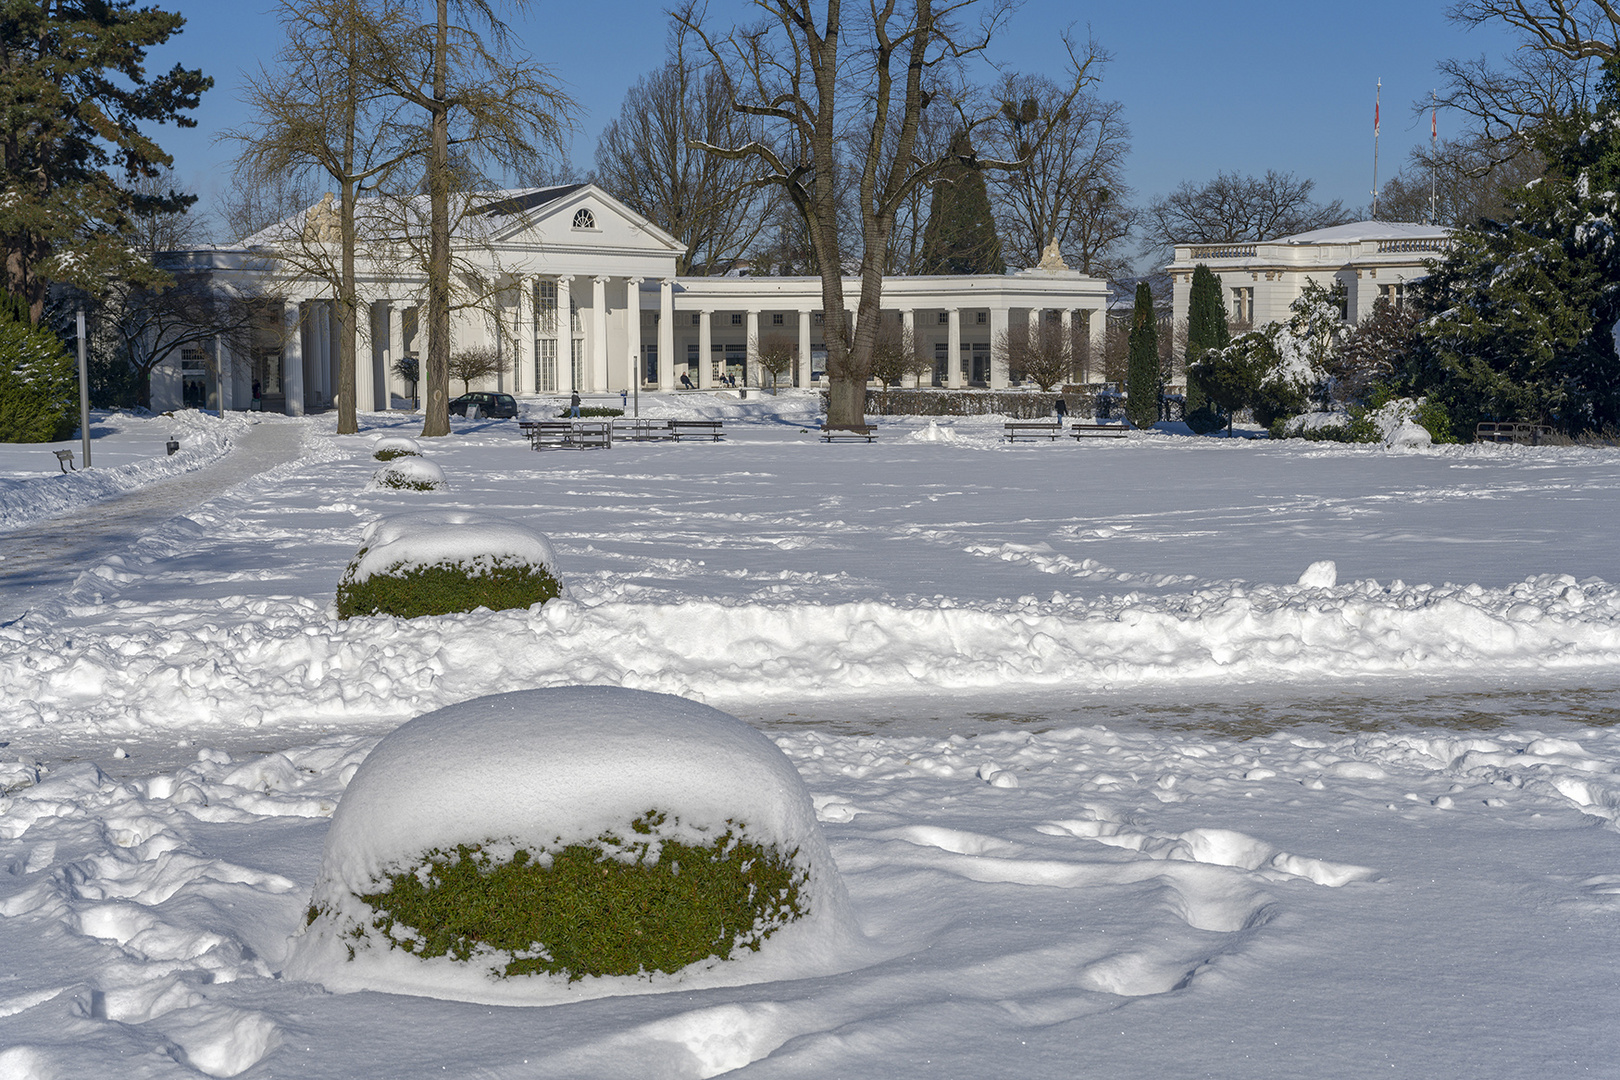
498, 406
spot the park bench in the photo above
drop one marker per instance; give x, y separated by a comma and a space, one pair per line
64, 460
841, 432
1097, 431
1032, 429
695, 429
591, 434
544, 433
1523, 434
636, 430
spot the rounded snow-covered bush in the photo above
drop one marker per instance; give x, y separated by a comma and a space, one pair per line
551, 844
437, 563
410, 474
389, 447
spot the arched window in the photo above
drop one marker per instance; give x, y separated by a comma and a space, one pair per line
584, 219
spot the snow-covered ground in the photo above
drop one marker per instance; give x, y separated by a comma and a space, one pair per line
1147, 757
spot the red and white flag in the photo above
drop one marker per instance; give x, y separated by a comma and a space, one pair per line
1434, 124
1375, 118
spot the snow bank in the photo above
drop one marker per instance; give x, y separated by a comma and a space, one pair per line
540, 770
131, 455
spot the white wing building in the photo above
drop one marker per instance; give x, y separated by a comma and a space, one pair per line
1259, 281
575, 291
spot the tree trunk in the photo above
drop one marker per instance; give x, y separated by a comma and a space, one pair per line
348, 420
436, 373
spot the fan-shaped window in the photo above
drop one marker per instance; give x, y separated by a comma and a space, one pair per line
584, 219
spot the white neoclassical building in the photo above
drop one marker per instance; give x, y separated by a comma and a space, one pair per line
575, 291
1259, 281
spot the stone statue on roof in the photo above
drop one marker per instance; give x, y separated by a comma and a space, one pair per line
321, 222
1052, 258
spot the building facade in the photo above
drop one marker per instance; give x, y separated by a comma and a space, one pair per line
1260, 281
574, 291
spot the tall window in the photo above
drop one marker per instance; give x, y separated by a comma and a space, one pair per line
546, 308
579, 362
545, 375
1395, 294
1243, 306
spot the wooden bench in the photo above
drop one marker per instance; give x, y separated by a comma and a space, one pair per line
1032, 429
841, 432
544, 433
642, 430
1523, 434
64, 460
695, 429
1098, 431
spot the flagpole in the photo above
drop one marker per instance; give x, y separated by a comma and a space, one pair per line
1434, 160
1377, 101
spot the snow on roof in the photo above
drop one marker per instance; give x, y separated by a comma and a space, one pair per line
1358, 231
485, 213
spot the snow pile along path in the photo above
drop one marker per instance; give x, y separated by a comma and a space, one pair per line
252, 661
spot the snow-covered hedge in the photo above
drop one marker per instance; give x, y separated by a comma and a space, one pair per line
572, 842
389, 447
441, 562
410, 474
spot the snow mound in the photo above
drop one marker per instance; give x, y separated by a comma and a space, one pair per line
398, 444
933, 433
409, 473
1408, 433
542, 769
1323, 574
404, 542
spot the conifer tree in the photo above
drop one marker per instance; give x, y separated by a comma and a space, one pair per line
1206, 326
74, 95
960, 237
1142, 370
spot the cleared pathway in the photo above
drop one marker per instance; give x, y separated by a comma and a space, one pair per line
43, 560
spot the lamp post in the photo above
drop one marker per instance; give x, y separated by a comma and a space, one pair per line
84, 392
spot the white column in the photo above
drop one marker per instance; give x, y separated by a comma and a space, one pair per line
323, 352
395, 314
632, 331
292, 358
565, 336
365, 361
705, 361
666, 334
804, 349
1098, 330
1066, 336
751, 357
953, 349
524, 346
908, 336
224, 373
599, 350
998, 362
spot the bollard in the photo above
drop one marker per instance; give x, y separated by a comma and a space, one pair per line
173, 445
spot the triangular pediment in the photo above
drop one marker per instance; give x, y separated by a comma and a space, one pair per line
571, 216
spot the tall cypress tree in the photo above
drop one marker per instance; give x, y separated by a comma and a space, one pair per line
74, 95
1142, 370
960, 237
1206, 326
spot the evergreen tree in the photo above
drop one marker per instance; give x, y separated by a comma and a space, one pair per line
1525, 309
74, 94
960, 237
1142, 370
39, 383
1206, 326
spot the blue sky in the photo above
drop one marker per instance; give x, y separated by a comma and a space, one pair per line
1246, 85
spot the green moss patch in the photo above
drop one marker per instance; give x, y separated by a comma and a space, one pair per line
444, 588
605, 907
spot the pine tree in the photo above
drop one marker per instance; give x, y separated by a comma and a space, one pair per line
1525, 309
960, 237
73, 96
1142, 370
1206, 326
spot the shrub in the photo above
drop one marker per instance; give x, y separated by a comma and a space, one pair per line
38, 385
1204, 419
389, 447
589, 410
403, 569
391, 453
410, 472
606, 907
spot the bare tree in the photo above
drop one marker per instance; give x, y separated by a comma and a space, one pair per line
1045, 357
793, 73
896, 358
319, 113
1576, 29
1233, 209
776, 354
1460, 182
470, 364
474, 93
1074, 189
161, 219
252, 206
157, 324
647, 159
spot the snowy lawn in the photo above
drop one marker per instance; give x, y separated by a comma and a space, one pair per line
1122, 776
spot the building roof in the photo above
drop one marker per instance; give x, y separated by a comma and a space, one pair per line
1357, 231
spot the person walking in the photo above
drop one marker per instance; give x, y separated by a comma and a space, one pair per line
1061, 408
573, 405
